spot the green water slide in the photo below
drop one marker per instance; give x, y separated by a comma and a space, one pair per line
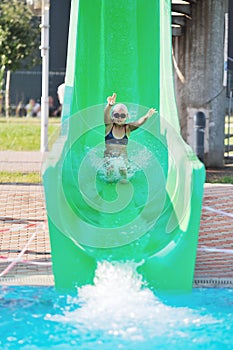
122, 46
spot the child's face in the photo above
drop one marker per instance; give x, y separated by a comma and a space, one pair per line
119, 116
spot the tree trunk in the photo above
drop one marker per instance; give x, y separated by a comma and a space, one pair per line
2, 70
1, 102
7, 97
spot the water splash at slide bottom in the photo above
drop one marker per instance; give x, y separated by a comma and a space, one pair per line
120, 305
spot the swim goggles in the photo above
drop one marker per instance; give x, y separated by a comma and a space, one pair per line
119, 115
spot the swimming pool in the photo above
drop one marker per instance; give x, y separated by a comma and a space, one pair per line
118, 312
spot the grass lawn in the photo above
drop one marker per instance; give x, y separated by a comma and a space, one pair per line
18, 177
23, 134
225, 180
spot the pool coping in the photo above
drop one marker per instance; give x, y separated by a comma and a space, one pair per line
48, 280
40, 280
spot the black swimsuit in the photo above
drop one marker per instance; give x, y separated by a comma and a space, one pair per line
111, 139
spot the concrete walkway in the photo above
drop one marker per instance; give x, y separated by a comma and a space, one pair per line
22, 161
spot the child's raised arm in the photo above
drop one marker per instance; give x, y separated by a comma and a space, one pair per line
142, 120
111, 100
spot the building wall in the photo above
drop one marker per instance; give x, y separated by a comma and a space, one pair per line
199, 55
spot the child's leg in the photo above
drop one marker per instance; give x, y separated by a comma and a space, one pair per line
109, 168
123, 167
123, 172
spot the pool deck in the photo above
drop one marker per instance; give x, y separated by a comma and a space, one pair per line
25, 257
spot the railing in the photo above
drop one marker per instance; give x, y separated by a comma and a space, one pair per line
229, 132
181, 12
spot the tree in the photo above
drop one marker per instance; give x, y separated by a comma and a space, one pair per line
19, 41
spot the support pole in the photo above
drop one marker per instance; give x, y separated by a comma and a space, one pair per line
45, 77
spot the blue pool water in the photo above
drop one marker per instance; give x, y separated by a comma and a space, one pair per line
117, 312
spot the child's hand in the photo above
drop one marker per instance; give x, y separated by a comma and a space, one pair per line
112, 99
151, 112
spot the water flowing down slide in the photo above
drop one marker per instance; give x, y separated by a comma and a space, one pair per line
152, 218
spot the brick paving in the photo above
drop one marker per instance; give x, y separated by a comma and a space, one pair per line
214, 262
23, 221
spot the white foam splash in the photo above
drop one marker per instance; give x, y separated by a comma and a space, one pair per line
138, 160
119, 304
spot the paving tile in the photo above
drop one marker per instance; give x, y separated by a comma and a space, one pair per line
22, 214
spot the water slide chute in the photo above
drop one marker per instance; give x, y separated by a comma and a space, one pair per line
122, 46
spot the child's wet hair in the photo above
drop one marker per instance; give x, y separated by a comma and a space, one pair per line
120, 106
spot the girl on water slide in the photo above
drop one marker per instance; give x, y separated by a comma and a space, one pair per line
117, 133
